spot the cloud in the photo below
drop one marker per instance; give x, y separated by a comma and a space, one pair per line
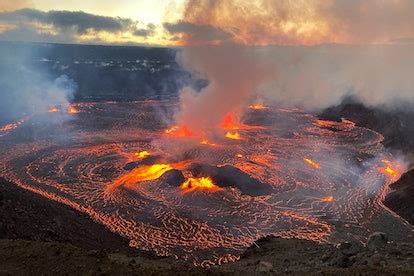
11, 5
145, 32
68, 27
79, 21
196, 34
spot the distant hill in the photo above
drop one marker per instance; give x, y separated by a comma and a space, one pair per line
120, 73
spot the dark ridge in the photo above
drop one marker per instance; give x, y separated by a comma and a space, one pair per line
229, 176
397, 125
29, 216
173, 178
401, 197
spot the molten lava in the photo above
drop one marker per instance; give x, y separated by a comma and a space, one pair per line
72, 110
328, 199
177, 131
389, 169
312, 163
228, 122
235, 135
142, 154
145, 173
199, 183
53, 110
257, 106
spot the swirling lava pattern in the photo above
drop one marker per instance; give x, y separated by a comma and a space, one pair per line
327, 179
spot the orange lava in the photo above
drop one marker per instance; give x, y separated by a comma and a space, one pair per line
142, 154
72, 110
178, 131
228, 122
312, 163
53, 110
328, 199
12, 126
145, 173
207, 143
199, 183
258, 106
389, 169
235, 135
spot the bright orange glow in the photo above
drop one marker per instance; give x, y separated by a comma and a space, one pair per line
142, 154
9, 127
178, 131
12, 126
258, 106
239, 155
72, 110
235, 135
53, 110
171, 130
228, 122
328, 199
145, 173
207, 143
389, 169
200, 183
312, 163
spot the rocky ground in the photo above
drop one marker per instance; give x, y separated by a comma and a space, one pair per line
38, 236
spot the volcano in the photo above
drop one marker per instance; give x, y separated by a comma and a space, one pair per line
175, 195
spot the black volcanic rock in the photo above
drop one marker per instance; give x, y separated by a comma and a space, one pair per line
401, 197
229, 176
173, 178
26, 215
397, 125
149, 160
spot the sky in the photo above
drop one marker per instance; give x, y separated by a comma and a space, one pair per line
199, 22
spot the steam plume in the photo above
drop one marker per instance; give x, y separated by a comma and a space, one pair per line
26, 87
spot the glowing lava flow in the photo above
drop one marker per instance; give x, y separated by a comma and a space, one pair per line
328, 199
312, 163
72, 110
200, 183
228, 122
142, 154
389, 169
235, 135
5, 129
257, 106
177, 131
179, 215
53, 110
145, 173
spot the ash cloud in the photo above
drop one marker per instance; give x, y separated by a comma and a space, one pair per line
27, 89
